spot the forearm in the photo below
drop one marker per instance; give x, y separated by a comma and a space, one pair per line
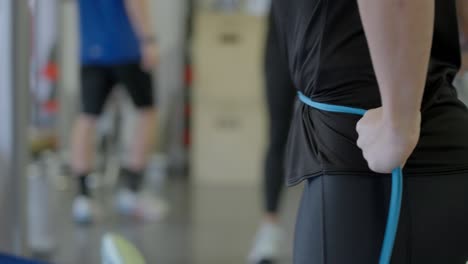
399, 34
140, 17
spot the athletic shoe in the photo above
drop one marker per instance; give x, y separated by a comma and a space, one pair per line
142, 206
267, 244
84, 211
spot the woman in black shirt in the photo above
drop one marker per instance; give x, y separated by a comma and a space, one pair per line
397, 58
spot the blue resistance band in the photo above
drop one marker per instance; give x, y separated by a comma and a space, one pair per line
397, 182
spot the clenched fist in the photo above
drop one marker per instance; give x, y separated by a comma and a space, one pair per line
387, 142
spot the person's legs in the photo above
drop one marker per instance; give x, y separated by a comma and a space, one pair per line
82, 150
280, 100
439, 214
342, 219
140, 88
309, 231
140, 148
96, 84
280, 96
145, 135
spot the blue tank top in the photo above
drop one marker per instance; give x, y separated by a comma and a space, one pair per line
107, 36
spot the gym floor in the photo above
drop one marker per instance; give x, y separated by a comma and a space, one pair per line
206, 225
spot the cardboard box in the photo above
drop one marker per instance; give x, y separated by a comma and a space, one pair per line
229, 143
228, 56
228, 99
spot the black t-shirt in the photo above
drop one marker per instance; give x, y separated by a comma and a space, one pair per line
329, 61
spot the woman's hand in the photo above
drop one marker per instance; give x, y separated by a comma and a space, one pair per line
387, 142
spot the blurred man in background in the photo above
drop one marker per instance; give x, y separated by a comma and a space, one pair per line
118, 46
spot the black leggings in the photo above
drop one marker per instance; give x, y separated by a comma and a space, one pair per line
342, 220
280, 96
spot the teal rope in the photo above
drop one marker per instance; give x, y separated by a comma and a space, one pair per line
397, 182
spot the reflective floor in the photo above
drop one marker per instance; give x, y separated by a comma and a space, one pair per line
206, 225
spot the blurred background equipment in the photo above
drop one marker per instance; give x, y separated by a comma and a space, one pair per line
228, 99
45, 167
44, 76
14, 101
40, 208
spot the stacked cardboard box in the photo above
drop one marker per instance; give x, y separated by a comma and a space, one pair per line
229, 112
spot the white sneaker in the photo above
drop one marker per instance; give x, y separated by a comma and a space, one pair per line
84, 210
267, 244
140, 205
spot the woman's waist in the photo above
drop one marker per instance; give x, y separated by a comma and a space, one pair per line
364, 92
332, 138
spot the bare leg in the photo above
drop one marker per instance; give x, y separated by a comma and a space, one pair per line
82, 153
131, 200
144, 139
82, 147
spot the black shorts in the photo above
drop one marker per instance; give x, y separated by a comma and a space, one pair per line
342, 220
97, 82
